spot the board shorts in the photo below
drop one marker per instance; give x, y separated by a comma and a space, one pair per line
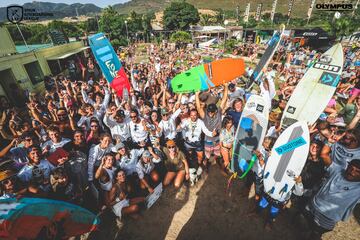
212, 148
355, 92
197, 146
119, 206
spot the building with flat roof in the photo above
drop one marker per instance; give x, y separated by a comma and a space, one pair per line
25, 66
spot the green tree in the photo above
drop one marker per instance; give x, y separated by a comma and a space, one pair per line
219, 16
206, 19
112, 23
343, 26
180, 15
181, 37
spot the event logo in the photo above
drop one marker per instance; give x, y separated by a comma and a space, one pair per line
310, 34
290, 146
329, 79
334, 6
260, 108
328, 67
16, 14
291, 110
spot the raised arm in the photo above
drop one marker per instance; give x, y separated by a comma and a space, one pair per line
224, 98
198, 106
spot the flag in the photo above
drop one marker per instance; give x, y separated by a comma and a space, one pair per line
109, 63
247, 11
291, 4
310, 10
273, 10
258, 12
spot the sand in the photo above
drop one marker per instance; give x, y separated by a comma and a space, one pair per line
206, 211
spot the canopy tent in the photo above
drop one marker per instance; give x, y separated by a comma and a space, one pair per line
63, 56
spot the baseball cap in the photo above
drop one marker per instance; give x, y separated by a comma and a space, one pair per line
212, 107
170, 143
164, 111
146, 153
117, 147
120, 113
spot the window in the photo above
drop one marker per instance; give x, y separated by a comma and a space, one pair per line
34, 72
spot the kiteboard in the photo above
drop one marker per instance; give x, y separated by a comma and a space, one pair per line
286, 161
208, 75
28, 217
266, 58
315, 89
249, 135
109, 63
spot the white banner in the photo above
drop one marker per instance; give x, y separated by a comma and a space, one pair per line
311, 8
258, 12
247, 11
153, 197
273, 10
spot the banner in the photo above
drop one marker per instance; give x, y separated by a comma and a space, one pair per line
109, 63
247, 11
273, 10
291, 4
258, 12
310, 9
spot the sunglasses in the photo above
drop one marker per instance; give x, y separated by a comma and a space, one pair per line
133, 116
171, 147
171, 102
165, 115
7, 181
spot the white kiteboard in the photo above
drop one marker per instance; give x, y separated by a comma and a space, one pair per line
315, 89
286, 161
250, 134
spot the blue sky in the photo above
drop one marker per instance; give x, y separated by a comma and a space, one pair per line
100, 3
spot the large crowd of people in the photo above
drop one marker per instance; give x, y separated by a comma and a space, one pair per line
81, 143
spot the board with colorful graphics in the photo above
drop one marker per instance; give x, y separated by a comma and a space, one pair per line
286, 161
208, 75
109, 63
315, 88
30, 218
249, 135
273, 44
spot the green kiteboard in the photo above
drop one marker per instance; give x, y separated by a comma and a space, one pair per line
189, 81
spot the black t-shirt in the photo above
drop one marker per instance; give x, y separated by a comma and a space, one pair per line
312, 173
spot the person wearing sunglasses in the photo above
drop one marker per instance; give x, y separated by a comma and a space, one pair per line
167, 126
212, 115
343, 149
138, 129
192, 128
93, 136
176, 165
145, 169
116, 121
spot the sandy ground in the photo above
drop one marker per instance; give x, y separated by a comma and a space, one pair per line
205, 211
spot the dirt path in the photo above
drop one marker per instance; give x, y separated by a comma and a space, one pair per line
206, 212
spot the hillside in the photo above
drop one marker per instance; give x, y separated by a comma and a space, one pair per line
142, 6
299, 10
60, 10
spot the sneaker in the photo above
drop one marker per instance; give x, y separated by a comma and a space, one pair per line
199, 171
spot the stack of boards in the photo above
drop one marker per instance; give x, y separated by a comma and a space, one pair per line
208, 75
304, 107
290, 150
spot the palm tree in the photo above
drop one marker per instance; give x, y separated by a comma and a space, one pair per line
206, 19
